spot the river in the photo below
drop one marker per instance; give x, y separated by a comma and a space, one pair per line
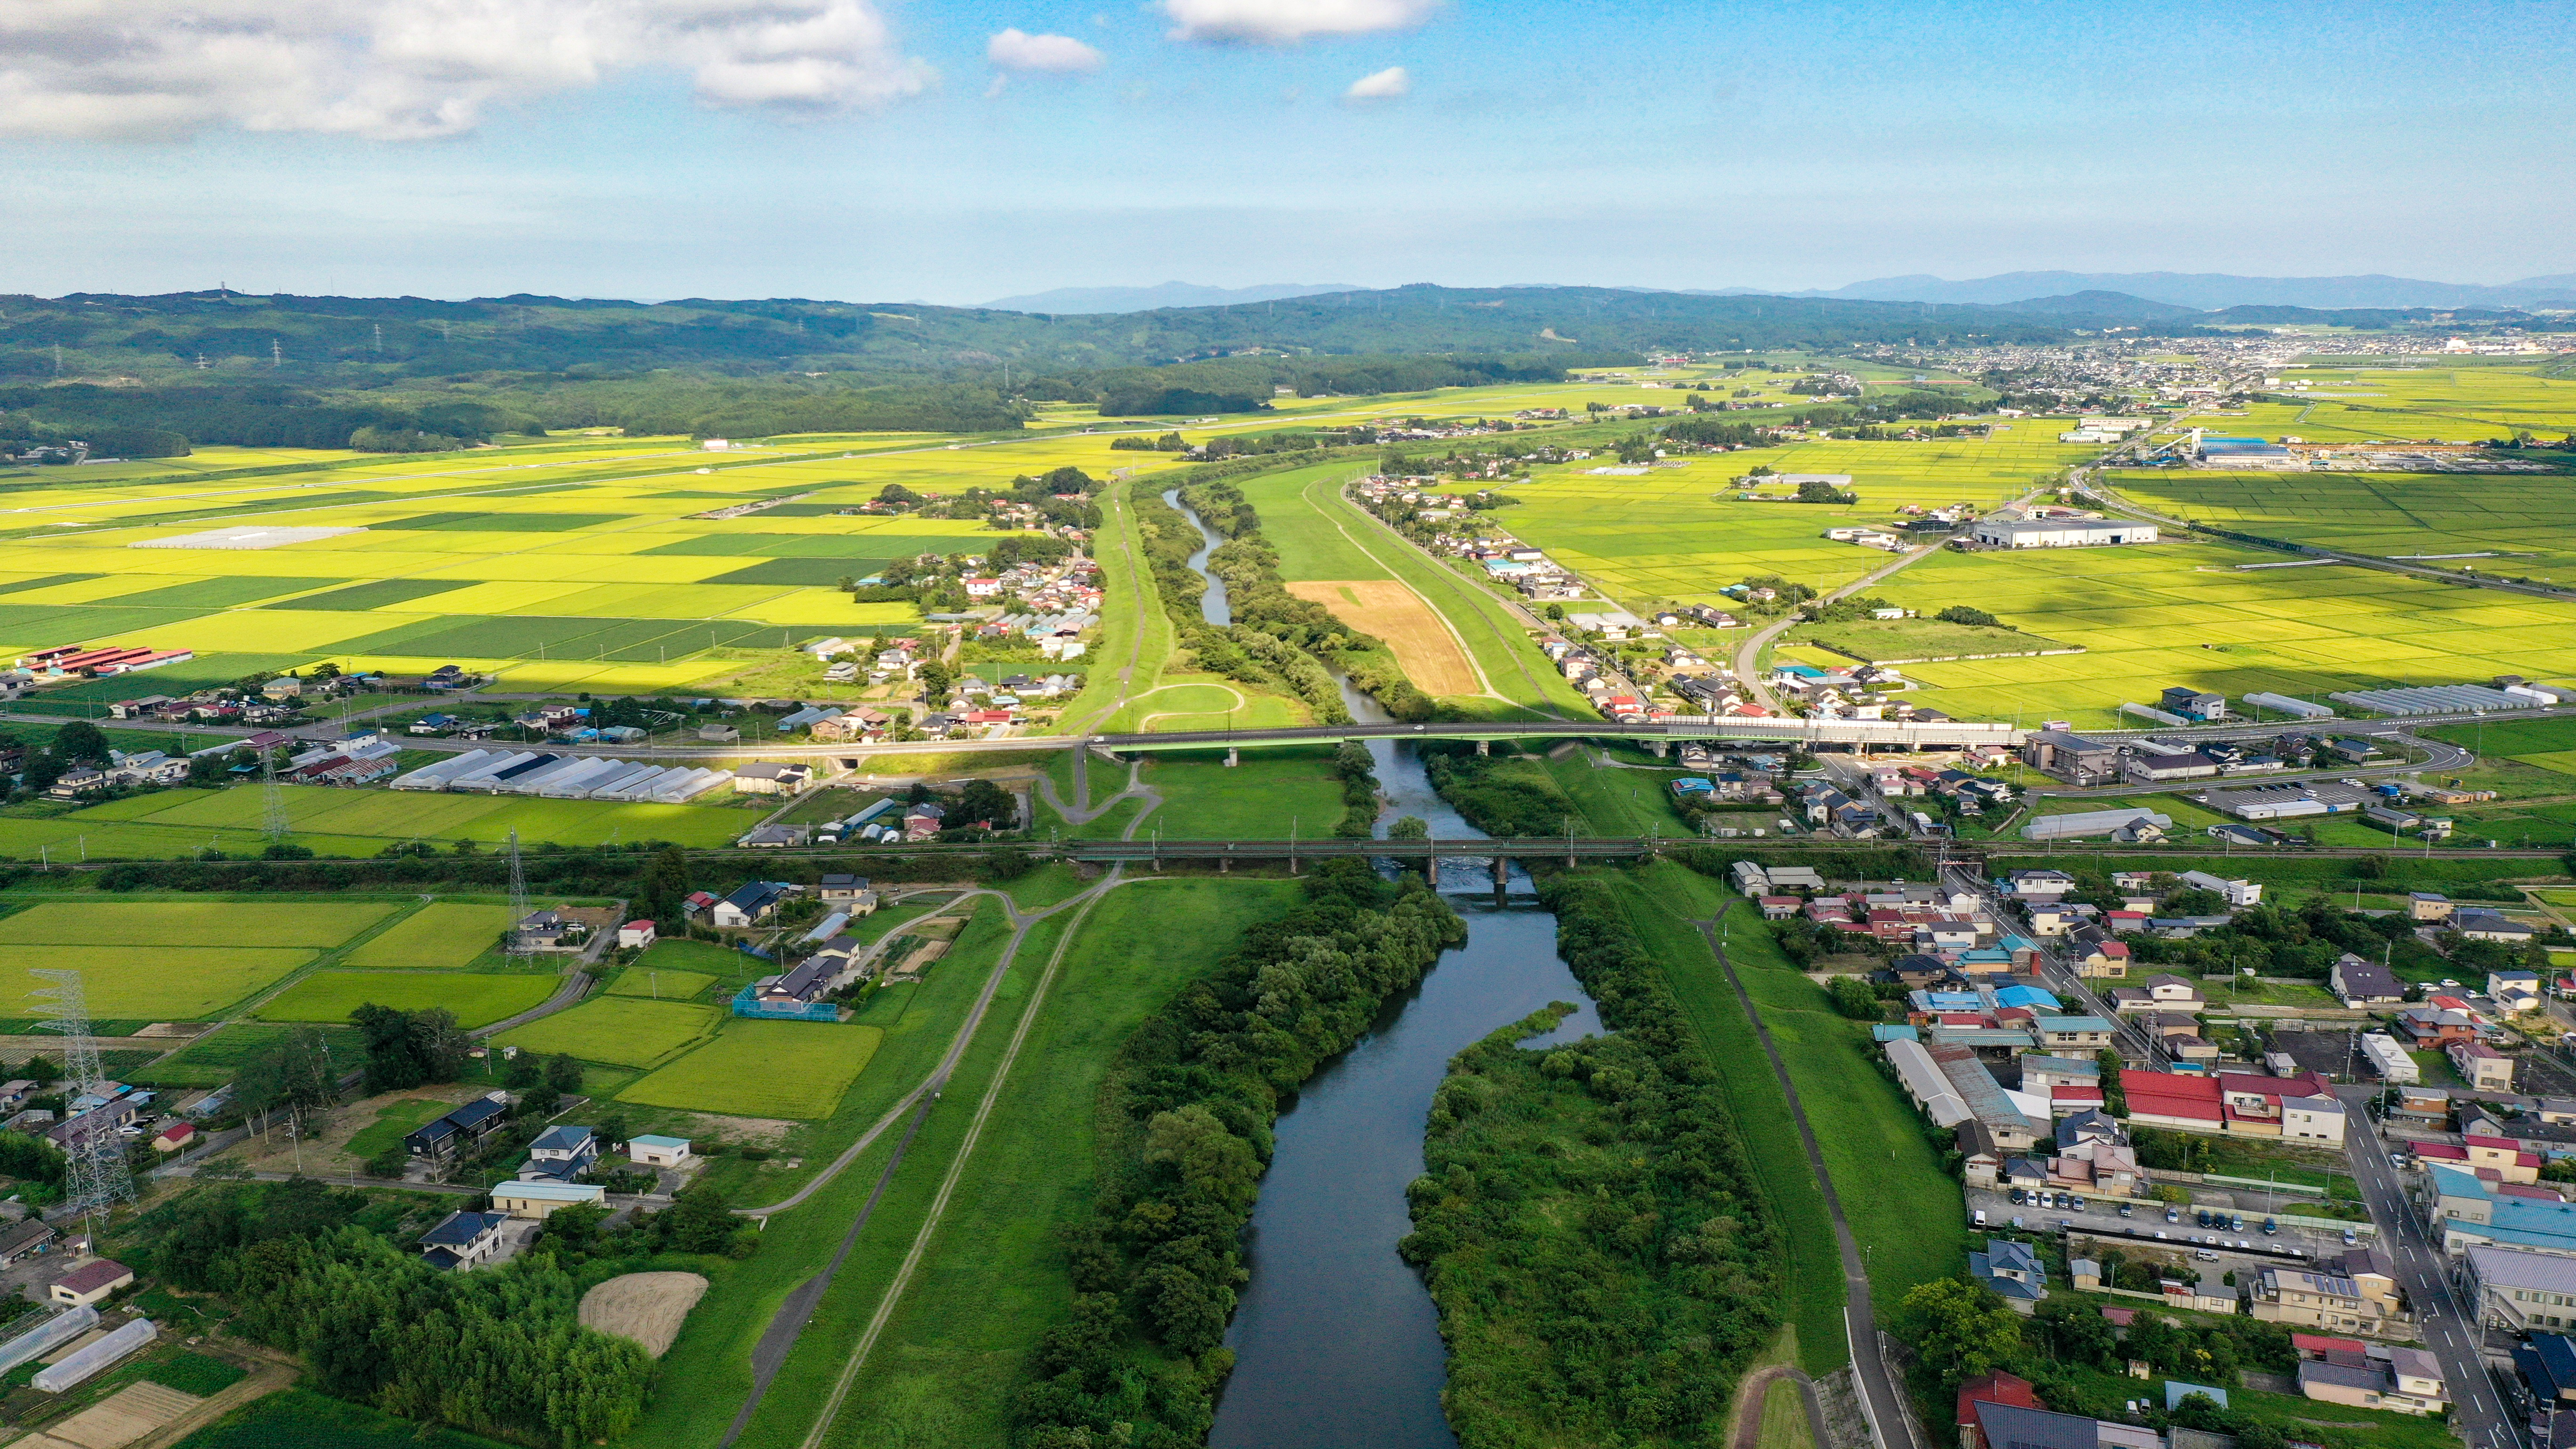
1336, 1343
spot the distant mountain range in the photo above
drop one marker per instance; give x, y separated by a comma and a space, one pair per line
2199, 291
1081, 301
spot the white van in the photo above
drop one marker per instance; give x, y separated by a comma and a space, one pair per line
1978, 1217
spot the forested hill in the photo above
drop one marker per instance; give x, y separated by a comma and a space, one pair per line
352, 340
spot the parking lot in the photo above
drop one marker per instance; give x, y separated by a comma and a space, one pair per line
2244, 1252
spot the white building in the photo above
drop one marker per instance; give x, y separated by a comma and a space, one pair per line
2059, 532
2237, 893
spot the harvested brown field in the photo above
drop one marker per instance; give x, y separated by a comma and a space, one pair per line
1412, 629
131, 1413
645, 1307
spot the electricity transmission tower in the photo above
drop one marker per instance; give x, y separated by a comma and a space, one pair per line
519, 951
95, 1175
272, 801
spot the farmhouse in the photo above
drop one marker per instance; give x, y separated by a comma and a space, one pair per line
560, 1155
635, 935
89, 1283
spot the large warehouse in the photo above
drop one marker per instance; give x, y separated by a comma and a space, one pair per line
2059, 532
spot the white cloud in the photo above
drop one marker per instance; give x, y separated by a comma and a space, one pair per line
419, 69
1284, 22
1016, 49
1385, 85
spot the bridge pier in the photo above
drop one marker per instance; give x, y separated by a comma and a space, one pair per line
1431, 868
1502, 871
1233, 757
1484, 747
1662, 748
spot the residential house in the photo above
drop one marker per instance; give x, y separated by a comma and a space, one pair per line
2359, 983
635, 935
849, 893
2402, 1380
2434, 1027
2107, 961
560, 1154
2477, 925
2313, 1300
751, 904
2238, 894
698, 904
2427, 906
2083, 1033
463, 1239
89, 1283
2514, 992
2481, 1066
460, 1130
2013, 1271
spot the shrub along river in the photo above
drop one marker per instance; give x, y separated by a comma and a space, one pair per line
1336, 1343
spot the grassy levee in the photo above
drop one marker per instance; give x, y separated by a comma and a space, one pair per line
1262, 797
706, 1376
1134, 629
1815, 1288
945, 1372
804, 1383
1498, 641
1905, 1211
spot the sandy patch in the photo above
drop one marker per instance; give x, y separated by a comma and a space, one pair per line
645, 1307
1413, 630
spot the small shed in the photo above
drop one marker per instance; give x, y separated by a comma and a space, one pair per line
89, 1283
654, 1151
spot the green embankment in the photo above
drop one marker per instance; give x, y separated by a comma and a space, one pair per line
1906, 1212
953, 1356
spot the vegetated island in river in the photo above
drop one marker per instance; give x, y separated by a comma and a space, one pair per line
1602, 1258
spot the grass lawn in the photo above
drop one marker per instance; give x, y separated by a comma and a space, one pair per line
477, 1000
212, 1059
618, 1030
660, 984
1784, 1418
171, 983
394, 1121
722, 962
795, 1069
1910, 639
134, 925
1258, 799
950, 1362
442, 935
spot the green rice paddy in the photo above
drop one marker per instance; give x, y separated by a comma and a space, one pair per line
791, 1069
618, 1030
477, 1000
443, 934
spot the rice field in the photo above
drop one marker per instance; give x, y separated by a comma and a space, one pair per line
792, 1069
659, 983
213, 1059
477, 1000
160, 983
177, 823
2518, 525
576, 564
1679, 534
442, 935
153, 924
618, 1030
2169, 614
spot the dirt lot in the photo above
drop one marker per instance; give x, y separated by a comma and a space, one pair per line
1412, 629
645, 1307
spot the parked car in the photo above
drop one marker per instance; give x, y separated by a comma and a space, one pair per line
2172, 1215
2127, 1211
2348, 1239
2205, 1255
2016, 1197
2270, 1227
2236, 1222
1978, 1217
2076, 1202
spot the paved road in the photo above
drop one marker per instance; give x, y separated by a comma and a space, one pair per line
575, 983
2450, 1320
1882, 1392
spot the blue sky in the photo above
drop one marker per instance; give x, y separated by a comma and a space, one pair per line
875, 149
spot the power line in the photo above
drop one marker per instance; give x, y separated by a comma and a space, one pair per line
96, 1176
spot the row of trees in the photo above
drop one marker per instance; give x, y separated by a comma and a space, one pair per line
1191, 1100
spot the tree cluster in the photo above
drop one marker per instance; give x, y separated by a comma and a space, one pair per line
1584, 1203
409, 1048
1191, 1099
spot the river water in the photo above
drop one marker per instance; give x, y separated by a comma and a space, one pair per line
1336, 1343
1214, 606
